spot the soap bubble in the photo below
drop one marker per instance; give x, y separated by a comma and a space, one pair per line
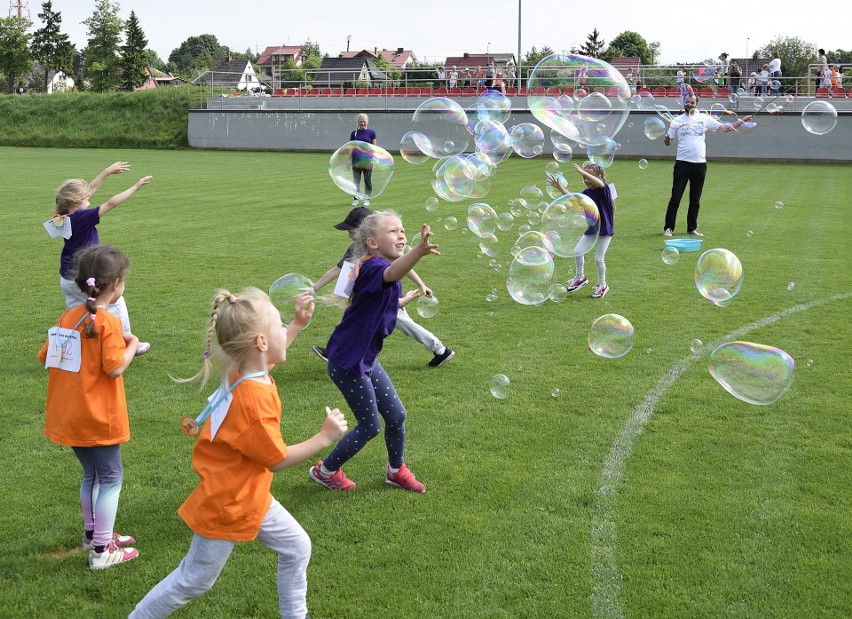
493, 105
611, 336
671, 255
443, 123
779, 204
505, 221
455, 178
595, 116
481, 219
555, 392
750, 233
488, 245
283, 293
409, 149
500, 386
695, 346
527, 140
602, 154
559, 141
432, 204
810, 363
492, 139
819, 117
733, 99
551, 167
530, 276
357, 155
791, 286
654, 128
427, 306
753, 373
451, 223
644, 100
643, 164
718, 275
557, 293
531, 194
575, 218
553, 192
533, 238
683, 91
563, 155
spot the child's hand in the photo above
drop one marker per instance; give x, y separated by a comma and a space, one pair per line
303, 308
425, 246
118, 167
553, 181
144, 181
334, 426
408, 297
579, 168
129, 338
427, 291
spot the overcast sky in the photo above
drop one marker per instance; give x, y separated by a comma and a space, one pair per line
435, 29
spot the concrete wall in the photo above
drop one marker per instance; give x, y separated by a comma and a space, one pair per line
327, 130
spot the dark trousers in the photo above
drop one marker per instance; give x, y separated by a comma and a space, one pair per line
368, 179
692, 173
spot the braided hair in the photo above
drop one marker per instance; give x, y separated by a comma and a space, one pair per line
96, 267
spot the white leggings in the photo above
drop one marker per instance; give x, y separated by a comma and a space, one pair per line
585, 245
206, 557
74, 297
406, 325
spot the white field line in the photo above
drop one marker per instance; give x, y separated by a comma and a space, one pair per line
606, 578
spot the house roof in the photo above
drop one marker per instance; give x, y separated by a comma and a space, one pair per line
226, 73
348, 69
279, 50
628, 63
471, 61
395, 57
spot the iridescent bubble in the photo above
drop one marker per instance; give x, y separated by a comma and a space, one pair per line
530, 276
481, 219
602, 154
746, 127
563, 155
580, 123
557, 293
432, 204
492, 139
733, 99
527, 140
283, 293
683, 91
518, 206
451, 223
555, 392
757, 103
505, 221
359, 156
695, 346
531, 194
491, 297
533, 217
644, 100
810, 363
532, 238
753, 373
443, 122
559, 141
654, 128
576, 235
791, 286
643, 164
488, 245
455, 179
551, 167
500, 386
779, 204
409, 148
427, 306
493, 105
718, 275
552, 191
611, 336
671, 255
750, 233
706, 73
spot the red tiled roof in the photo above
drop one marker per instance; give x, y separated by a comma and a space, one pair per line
394, 57
279, 50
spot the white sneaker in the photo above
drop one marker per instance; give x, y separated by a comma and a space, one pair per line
667, 232
112, 555
143, 348
695, 233
366, 203
355, 202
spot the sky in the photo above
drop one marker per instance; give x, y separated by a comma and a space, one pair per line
435, 29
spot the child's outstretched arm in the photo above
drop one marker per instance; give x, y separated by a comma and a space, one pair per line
402, 265
554, 182
334, 426
118, 167
302, 311
420, 283
332, 274
117, 199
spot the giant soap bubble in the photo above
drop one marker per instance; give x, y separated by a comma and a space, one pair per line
819, 117
754, 373
443, 124
530, 276
356, 157
572, 222
718, 275
593, 117
283, 293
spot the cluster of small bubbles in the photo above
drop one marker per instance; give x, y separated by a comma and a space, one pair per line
494, 264
695, 346
432, 203
451, 223
363, 156
555, 393
427, 306
491, 297
654, 128
557, 293
283, 293
718, 276
643, 164
611, 336
500, 386
753, 373
791, 286
671, 255
779, 204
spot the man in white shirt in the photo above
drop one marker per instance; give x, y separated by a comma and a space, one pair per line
775, 73
691, 162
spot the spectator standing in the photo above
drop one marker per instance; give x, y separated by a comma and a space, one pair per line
454, 78
775, 72
735, 74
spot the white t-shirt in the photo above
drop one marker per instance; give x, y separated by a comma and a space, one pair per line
689, 131
774, 65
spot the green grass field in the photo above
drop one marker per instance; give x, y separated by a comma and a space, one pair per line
643, 490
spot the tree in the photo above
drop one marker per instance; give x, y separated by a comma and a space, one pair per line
593, 46
629, 43
532, 58
15, 59
103, 63
50, 47
197, 53
795, 54
133, 58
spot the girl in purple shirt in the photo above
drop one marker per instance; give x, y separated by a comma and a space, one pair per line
72, 201
357, 341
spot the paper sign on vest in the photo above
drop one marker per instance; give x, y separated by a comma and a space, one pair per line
63, 350
217, 415
346, 280
58, 226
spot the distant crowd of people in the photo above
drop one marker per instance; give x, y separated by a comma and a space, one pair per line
488, 78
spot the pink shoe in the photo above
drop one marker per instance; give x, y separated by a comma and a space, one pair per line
404, 479
335, 481
122, 541
112, 555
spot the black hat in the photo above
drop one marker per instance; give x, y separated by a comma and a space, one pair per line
354, 218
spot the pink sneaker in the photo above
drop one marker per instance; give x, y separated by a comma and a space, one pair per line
404, 479
572, 285
112, 555
335, 481
122, 541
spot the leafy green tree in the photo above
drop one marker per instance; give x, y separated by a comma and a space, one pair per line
392, 72
153, 60
15, 59
629, 43
133, 58
197, 53
795, 55
50, 47
594, 46
103, 62
533, 57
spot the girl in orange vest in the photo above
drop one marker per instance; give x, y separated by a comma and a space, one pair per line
236, 453
86, 354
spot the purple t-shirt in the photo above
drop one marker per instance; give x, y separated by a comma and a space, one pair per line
603, 198
83, 233
358, 339
363, 135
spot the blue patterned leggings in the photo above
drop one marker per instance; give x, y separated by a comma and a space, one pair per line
99, 491
370, 396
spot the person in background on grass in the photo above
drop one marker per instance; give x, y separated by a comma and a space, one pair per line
362, 163
602, 195
72, 202
691, 160
354, 346
86, 355
404, 323
233, 502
